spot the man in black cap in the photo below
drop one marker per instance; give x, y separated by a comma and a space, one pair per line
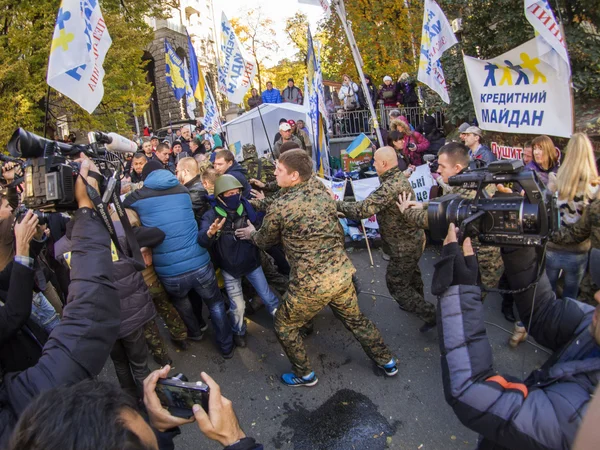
291, 94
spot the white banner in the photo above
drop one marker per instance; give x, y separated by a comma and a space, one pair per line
518, 92
322, 3
540, 16
212, 119
236, 71
337, 187
422, 181
437, 37
362, 189
79, 46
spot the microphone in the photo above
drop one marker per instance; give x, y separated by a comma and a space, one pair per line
113, 142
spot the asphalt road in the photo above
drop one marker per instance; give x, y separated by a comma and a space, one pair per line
354, 406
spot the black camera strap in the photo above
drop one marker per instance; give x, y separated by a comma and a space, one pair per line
102, 208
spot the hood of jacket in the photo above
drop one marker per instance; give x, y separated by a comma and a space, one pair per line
161, 180
236, 167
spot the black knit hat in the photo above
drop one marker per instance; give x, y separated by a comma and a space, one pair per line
150, 167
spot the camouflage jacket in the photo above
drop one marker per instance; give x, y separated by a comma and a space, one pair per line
304, 219
395, 230
588, 227
260, 169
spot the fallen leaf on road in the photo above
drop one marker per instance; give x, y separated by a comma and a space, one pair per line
267, 397
453, 437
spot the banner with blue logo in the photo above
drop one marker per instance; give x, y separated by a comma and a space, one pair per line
436, 38
174, 71
236, 71
79, 45
520, 92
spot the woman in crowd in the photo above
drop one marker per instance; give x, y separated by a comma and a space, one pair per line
389, 94
577, 184
255, 99
414, 143
349, 97
545, 158
406, 90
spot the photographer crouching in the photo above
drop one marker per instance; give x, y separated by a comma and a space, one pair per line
545, 410
79, 347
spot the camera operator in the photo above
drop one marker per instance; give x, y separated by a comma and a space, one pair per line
546, 409
97, 416
453, 158
79, 347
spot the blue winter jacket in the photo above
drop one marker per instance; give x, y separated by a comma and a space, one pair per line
544, 411
164, 203
271, 96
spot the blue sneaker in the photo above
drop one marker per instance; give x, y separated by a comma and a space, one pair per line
390, 368
290, 379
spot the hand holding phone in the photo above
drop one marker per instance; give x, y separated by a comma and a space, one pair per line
179, 396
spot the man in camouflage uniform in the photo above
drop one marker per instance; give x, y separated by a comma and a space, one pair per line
261, 169
404, 242
452, 159
164, 307
304, 219
588, 227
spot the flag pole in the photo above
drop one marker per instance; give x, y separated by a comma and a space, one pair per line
266, 134
340, 9
47, 112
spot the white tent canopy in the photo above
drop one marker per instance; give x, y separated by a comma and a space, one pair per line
248, 128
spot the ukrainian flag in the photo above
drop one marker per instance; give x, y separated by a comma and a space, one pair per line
196, 77
358, 145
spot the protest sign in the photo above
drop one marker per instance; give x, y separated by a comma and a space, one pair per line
518, 92
422, 181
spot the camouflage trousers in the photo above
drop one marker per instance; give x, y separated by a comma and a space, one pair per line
403, 279
490, 266
295, 312
167, 311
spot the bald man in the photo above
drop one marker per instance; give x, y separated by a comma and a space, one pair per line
402, 240
188, 175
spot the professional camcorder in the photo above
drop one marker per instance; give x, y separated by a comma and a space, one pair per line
50, 173
504, 220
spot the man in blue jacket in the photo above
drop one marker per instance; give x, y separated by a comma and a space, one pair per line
545, 410
271, 95
179, 261
236, 258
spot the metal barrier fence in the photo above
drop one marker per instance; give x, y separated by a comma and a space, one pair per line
352, 123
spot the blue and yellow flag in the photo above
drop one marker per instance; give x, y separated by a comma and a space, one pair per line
174, 71
196, 76
358, 145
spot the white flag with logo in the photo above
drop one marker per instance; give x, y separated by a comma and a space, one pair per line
540, 16
236, 70
436, 38
79, 46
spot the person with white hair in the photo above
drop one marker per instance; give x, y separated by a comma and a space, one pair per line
388, 93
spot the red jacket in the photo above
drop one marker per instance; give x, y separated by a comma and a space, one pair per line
416, 156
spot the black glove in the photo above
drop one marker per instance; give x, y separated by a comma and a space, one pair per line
454, 269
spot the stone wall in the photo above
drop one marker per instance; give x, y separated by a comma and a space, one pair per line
165, 98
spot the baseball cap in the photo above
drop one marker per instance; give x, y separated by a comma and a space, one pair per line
474, 130
463, 127
291, 122
387, 78
285, 127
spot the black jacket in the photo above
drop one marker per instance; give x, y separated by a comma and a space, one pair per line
198, 194
80, 345
544, 411
240, 174
235, 256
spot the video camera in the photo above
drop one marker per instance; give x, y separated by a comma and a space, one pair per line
50, 173
505, 220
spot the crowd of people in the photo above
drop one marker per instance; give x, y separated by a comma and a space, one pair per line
234, 236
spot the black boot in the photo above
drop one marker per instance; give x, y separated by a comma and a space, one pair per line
507, 308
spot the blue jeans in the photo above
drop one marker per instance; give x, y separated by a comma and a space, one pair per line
43, 313
237, 304
573, 266
202, 281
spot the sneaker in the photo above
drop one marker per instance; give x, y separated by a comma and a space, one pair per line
230, 354
390, 368
163, 360
203, 326
197, 337
290, 379
519, 335
427, 326
385, 256
239, 340
182, 345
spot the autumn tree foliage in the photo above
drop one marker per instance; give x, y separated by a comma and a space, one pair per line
26, 29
